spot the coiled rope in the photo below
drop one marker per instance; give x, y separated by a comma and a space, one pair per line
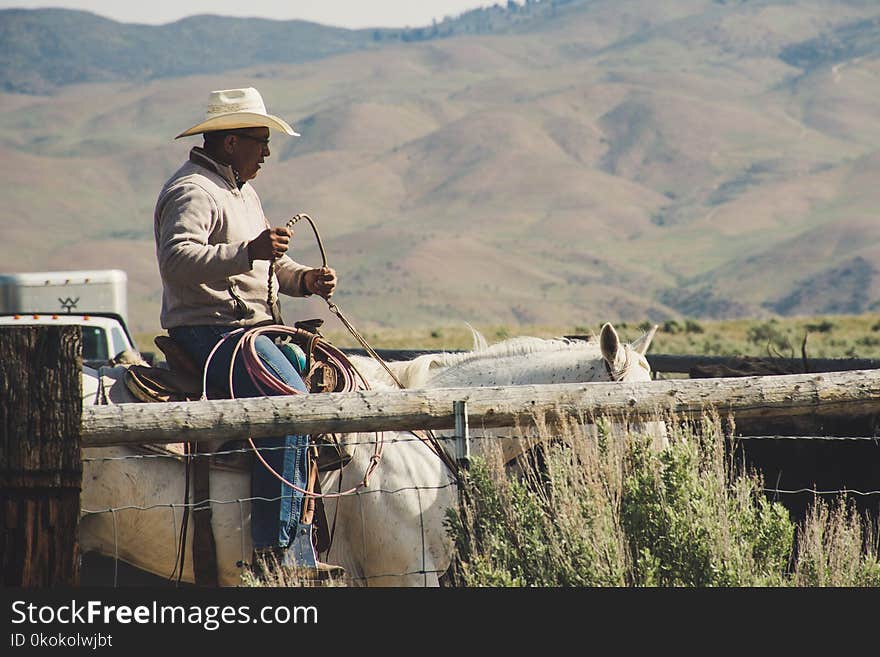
268, 384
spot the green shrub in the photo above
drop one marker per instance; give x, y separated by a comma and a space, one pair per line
820, 327
768, 334
606, 508
671, 326
712, 348
526, 532
690, 523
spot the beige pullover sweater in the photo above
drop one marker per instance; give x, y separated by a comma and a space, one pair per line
203, 223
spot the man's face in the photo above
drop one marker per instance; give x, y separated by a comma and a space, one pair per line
249, 148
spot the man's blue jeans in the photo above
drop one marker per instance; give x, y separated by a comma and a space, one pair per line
273, 522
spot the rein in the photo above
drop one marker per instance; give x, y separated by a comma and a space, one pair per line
430, 440
332, 306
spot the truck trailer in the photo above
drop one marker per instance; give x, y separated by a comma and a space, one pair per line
96, 300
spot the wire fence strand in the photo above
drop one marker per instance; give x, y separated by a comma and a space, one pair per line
413, 439
838, 491
192, 505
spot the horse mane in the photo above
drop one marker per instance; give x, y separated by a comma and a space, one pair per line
519, 346
417, 372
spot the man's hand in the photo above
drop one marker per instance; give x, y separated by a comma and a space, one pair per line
321, 281
271, 243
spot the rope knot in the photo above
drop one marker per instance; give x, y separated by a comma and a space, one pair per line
374, 463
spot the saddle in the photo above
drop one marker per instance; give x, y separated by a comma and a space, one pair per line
326, 370
182, 379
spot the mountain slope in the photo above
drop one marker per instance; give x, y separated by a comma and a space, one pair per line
614, 160
43, 49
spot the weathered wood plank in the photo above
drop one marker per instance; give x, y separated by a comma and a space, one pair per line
744, 397
40, 466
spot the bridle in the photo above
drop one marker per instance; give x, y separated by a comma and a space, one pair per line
619, 374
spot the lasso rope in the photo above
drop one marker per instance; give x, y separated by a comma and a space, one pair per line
430, 440
268, 384
332, 306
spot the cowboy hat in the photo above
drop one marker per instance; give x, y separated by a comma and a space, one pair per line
237, 108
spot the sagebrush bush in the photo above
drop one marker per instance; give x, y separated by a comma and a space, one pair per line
551, 526
691, 522
604, 507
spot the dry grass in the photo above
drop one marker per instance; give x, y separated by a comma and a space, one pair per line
828, 336
837, 548
268, 572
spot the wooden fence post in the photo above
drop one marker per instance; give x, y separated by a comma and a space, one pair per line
40, 462
462, 437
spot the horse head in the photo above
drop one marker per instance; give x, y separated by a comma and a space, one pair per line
625, 362
527, 360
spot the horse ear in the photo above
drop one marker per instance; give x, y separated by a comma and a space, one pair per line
480, 343
641, 345
609, 342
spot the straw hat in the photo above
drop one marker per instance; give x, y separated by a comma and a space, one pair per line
237, 108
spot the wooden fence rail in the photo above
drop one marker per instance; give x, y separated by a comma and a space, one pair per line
831, 393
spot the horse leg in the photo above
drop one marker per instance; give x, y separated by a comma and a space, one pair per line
391, 532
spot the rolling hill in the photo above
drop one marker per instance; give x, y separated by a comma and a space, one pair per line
558, 162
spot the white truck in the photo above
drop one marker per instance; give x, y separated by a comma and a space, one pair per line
95, 300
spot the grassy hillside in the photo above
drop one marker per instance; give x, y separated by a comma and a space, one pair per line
604, 161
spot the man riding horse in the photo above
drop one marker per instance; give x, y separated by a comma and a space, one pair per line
220, 261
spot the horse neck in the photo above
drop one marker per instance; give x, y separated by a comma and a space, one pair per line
553, 362
517, 361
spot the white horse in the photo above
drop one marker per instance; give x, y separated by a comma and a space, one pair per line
388, 534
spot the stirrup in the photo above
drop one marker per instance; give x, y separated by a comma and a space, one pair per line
330, 570
278, 557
